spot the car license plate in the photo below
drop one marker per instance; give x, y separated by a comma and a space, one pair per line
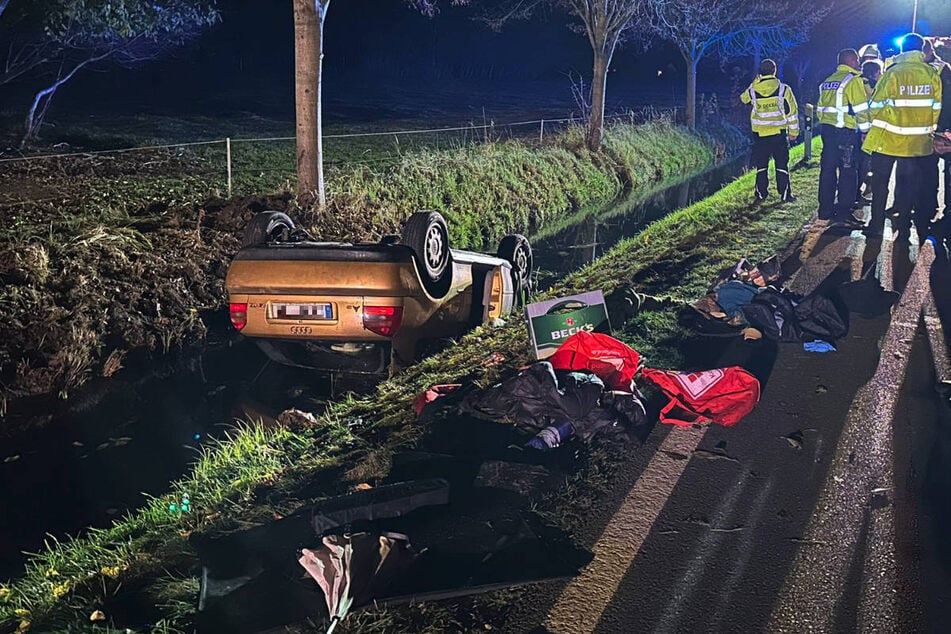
304, 312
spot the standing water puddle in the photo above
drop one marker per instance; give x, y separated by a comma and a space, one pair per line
89, 465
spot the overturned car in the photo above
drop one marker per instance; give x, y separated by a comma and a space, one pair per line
367, 307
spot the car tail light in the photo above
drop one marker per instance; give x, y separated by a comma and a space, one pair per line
383, 320
239, 315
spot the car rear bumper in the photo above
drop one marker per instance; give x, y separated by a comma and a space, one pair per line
335, 356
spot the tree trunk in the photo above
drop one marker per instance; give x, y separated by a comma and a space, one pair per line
692, 94
308, 52
43, 98
598, 89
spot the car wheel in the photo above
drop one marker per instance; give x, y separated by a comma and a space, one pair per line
516, 249
268, 226
427, 235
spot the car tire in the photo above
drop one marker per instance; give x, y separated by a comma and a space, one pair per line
268, 226
517, 251
427, 235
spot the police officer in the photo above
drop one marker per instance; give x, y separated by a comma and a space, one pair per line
869, 52
872, 70
944, 126
774, 114
926, 206
904, 108
843, 112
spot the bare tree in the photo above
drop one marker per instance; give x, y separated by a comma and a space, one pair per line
25, 44
63, 37
309, 18
604, 22
21, 54
801, 67
729, 28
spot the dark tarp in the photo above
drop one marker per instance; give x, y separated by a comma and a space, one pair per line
231, 557
355, 568
867, 298
820, 318
773, 313
782, 316
537, 398
532, 399
485, 539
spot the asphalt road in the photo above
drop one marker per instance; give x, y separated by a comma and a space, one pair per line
825, 509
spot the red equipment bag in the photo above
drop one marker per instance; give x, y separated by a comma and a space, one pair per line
723, 396
609, 359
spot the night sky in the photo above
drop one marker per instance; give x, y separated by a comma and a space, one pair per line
381, 52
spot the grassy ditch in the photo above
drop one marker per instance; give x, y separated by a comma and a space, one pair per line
257, 474
100, 255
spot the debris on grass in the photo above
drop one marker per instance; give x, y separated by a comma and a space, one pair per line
102, 254
256, 472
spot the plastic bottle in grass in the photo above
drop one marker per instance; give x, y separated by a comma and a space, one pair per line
552, 436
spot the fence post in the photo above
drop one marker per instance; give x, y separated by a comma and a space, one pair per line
807, 132
228, 158
541, 132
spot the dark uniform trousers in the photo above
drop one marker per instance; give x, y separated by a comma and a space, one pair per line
862, 166
926, 203
838, 172
774, 147
910, 174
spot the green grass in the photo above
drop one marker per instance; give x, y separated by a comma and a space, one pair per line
487, 190
127, 251
246, 478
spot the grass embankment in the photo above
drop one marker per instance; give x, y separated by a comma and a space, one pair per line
121, 252
256, 474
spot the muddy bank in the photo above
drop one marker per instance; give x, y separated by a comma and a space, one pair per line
147, 422
80, 292
255, 474
100, 256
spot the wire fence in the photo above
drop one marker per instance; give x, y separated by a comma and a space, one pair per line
246, 165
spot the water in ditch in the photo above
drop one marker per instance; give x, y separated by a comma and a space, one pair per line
98, 458
595, 233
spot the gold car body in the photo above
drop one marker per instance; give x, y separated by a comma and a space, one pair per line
336, 284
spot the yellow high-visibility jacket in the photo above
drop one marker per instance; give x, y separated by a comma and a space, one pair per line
905, 108
774, 107
843, 101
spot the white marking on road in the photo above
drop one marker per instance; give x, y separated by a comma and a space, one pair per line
584, 599
862, 463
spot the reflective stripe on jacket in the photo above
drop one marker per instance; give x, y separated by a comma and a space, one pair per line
905, 108
843, 102
774, 107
